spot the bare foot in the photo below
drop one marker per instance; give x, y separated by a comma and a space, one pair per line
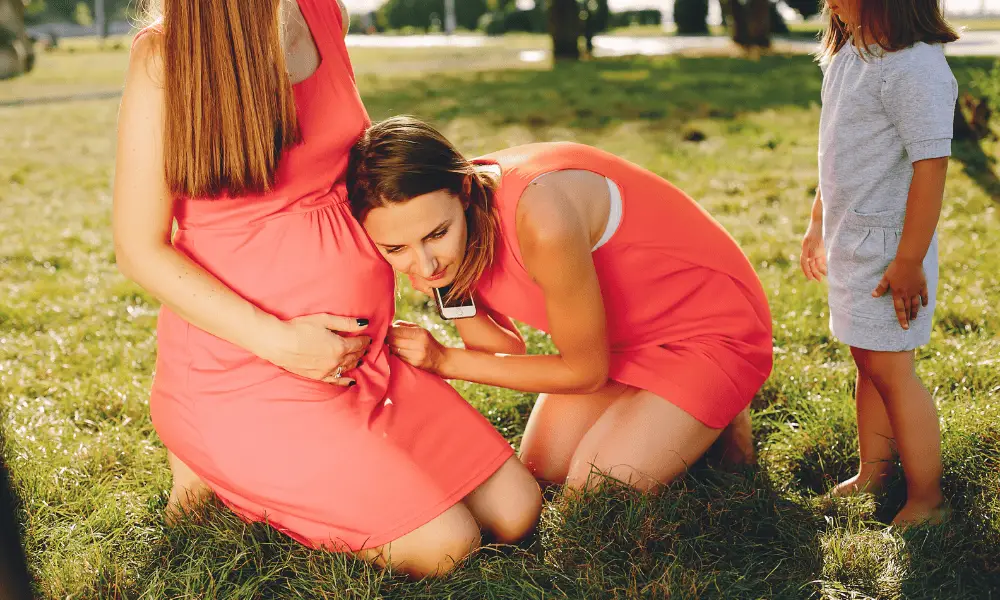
866, 482
188, 491
919, 513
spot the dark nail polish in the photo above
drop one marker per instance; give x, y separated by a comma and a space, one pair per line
352, 384
360, 362
362, 322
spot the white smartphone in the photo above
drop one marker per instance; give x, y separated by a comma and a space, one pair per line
462, 309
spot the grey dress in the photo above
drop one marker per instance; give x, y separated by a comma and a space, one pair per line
881, 113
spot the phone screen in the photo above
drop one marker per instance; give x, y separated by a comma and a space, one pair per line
443, 296
463, 308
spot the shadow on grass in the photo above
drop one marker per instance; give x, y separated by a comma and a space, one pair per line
712, 534
980, 167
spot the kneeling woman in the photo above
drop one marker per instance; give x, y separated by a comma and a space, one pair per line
661, 325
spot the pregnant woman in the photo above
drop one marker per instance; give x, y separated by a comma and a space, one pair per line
236, 121
662, 328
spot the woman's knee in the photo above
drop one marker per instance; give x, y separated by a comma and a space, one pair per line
508, 504
434, 549
520, 516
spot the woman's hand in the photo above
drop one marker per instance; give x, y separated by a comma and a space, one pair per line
417, 346
310, 346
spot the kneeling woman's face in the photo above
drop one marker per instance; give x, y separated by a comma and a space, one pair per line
424, 237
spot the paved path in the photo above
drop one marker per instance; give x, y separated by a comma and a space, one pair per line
982, 43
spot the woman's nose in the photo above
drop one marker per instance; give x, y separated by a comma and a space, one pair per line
428, 264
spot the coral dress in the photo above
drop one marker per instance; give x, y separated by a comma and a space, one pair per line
337, 468
686, 314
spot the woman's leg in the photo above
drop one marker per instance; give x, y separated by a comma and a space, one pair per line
507, 504
187, 492
641, 440
557, 424
433, 549
735, 444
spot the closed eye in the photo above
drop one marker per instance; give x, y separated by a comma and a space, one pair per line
438, 234
393, 249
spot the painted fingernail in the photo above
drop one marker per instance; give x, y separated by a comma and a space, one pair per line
362, 322
360, 362
352, 384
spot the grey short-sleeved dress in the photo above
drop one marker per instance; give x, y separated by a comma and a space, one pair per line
881, 113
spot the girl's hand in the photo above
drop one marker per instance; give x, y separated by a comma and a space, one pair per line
309, 347
908, 283
417, 346
813, 257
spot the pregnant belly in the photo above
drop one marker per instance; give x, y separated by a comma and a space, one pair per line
298, 264
303, 263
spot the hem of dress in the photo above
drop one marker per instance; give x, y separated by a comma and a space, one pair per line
904, 340
438, 509
339, 545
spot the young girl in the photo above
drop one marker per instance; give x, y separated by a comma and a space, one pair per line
662, 327
885, 138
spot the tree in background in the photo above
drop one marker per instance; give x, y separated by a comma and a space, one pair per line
565, 28
691, 16
421, 14
749, 22
596, 18
76, 11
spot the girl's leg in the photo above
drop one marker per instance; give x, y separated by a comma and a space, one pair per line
642, 440
507, 504
914, 420
875, 443
556, 426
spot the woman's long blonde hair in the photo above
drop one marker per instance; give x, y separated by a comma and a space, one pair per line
229, 103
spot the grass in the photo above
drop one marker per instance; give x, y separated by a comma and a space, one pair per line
77, 353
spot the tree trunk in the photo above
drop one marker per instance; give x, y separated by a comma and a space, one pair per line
750, 22
564, 26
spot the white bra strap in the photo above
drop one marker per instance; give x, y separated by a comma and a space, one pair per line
614, 214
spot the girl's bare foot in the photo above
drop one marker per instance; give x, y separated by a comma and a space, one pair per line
865, 482
921, 513
188, 491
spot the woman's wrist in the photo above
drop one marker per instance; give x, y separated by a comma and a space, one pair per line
268, 336
446, 367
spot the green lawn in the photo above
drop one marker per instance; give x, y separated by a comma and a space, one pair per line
77, 352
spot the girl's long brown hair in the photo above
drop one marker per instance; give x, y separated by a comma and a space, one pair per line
402, 158
230, 113
891, 24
